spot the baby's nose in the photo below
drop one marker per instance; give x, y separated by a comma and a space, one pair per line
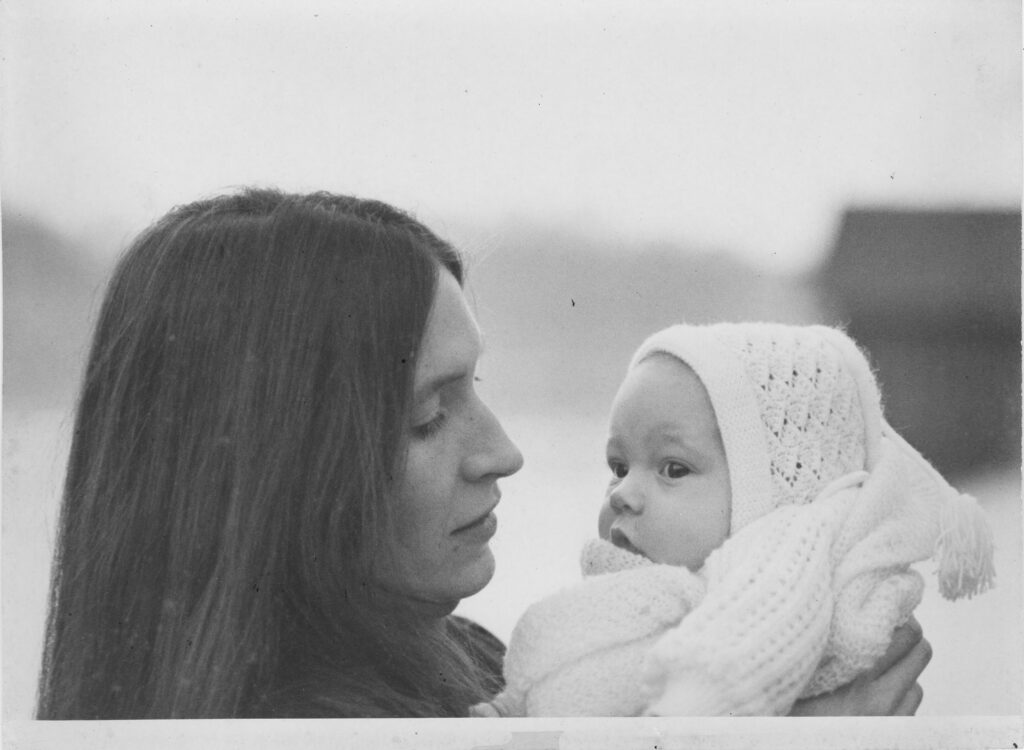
627, 495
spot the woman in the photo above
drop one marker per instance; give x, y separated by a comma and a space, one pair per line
282, 481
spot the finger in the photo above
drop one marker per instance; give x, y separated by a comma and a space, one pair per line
904, 639
919, 657
891, 689
911, 701
913, 626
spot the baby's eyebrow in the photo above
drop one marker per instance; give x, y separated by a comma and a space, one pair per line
669, 432
675, 438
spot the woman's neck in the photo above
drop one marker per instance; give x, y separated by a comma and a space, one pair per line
423, 611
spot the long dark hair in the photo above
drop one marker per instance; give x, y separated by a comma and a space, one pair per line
241, 418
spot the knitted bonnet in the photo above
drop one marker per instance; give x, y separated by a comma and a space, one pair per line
797, 407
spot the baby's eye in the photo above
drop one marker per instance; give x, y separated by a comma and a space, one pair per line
675, 470
619, 469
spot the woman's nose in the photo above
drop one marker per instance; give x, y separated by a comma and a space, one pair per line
493, 454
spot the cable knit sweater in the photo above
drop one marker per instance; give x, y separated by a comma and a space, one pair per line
795, 604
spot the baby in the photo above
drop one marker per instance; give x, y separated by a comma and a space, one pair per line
756, 536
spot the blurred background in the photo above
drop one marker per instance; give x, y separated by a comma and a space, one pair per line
608, 170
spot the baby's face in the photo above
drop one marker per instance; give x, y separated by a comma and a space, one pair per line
668, 497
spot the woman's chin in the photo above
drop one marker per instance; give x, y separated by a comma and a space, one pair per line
476, 574
447, 588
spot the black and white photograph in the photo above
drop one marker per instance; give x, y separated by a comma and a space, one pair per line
511, 375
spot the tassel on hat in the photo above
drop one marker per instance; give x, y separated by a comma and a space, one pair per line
964, 548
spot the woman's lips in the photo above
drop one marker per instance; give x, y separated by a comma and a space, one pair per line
620, 540
482, 529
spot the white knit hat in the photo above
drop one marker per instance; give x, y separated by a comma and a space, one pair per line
797, 407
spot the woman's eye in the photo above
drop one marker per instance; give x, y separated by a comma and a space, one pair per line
431, 427
676, 470
619, 469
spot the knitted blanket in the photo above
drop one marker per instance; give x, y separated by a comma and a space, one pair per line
795, 604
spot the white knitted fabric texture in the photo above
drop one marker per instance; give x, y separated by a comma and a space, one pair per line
802, 600
579, 652
830, 508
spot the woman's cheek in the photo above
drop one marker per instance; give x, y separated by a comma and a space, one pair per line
413, 497
431, 497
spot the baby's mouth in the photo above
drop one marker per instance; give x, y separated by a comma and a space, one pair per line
620, 540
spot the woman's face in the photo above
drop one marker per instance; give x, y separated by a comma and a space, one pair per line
457, 451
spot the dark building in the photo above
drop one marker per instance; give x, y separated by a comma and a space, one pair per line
935, 298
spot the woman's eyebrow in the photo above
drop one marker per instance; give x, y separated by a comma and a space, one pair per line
438, 382
459, 362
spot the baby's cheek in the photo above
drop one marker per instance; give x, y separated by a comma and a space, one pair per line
604, 520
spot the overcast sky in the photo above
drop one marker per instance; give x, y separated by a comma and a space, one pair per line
742, 125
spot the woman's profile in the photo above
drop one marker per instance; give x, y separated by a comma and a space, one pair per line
231, 542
